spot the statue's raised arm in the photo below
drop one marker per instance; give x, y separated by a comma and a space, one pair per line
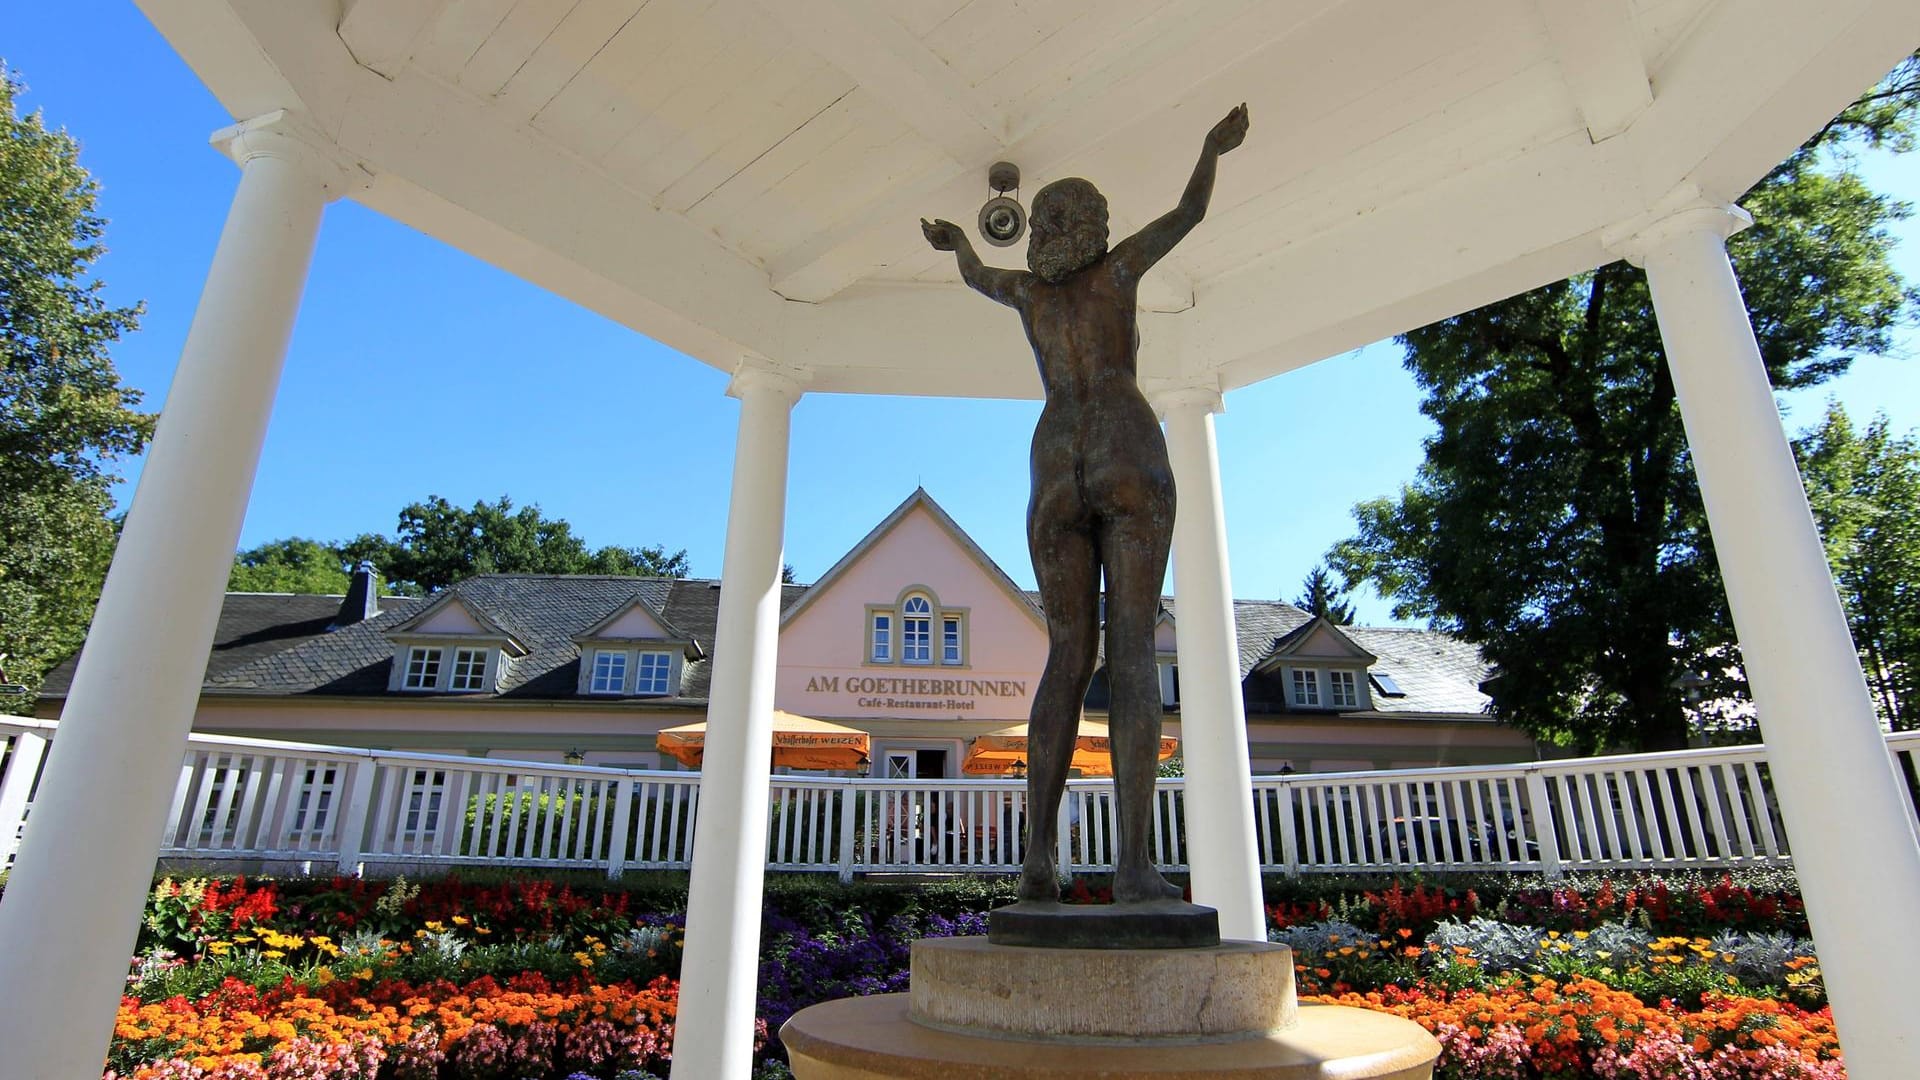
1005, 286
1135, 255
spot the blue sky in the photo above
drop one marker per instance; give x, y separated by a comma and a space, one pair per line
417, 370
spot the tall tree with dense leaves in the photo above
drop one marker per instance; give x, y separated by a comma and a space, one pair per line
65, 417
438, 543
293, 565
1555, 521
1319, 595
1864, 487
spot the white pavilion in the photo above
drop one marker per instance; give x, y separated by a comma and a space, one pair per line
742, 180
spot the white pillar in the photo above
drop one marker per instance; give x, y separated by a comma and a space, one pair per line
713, 1034
72, 906
1213, 718
1843, 803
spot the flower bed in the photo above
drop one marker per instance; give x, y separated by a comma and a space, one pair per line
572, 977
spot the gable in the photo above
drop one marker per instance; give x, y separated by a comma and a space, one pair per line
824, 639
453, 618
1323, 642
635, 620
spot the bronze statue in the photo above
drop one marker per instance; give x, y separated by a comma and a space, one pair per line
1102, 498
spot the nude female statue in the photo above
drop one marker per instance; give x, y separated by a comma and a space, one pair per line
1102, 498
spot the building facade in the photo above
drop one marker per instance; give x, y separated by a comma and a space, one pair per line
915, 636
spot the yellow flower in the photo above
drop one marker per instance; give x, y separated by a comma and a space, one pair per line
274, 954
461, 920
323, 976
364, 973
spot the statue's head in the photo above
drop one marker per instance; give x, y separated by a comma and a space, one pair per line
1069, 229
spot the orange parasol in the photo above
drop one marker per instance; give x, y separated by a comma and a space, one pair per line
799, 742
1000, 752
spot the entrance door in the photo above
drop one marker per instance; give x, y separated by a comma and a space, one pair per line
914, 764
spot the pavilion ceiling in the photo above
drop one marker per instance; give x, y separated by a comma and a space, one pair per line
745, 177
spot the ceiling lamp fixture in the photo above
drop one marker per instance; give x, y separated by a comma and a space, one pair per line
1002, 221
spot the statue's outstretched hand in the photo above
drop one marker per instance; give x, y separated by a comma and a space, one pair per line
943, 235
1229, 132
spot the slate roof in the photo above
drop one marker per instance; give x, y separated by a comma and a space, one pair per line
278, 644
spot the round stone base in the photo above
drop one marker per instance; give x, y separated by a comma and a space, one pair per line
871, 1038
1232, 990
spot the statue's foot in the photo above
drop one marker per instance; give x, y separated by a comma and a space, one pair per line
1039, 881
1143, 885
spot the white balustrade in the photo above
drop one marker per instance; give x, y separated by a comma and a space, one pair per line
266, 802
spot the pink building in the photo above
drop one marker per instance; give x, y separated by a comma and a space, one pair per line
914, 636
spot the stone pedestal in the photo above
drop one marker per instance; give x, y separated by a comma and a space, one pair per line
979, 1010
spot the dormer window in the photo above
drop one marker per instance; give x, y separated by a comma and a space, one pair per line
423, 668
651, 676
1306, 687
1343, 690
609, 672
916, 630
469, 670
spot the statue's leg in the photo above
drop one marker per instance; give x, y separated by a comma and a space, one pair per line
1134, 548
1067, 568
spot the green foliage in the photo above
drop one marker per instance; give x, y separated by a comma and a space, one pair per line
65, 417
437, 544
293, 565
1865, 488
1320, 596
1556, 522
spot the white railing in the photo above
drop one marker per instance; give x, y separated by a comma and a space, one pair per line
332, 807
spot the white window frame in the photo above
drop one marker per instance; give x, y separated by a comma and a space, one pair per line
602, 679
953, 639
1169, 681
456, 676
1343, 690
880, 636
916, 630
420, 660
664, 661
1305, 691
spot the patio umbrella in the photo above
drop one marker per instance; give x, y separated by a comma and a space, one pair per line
799, 742
1000, 752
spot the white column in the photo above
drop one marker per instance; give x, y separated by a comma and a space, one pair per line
1843, 803
713, 1034
72, 906
1213, 719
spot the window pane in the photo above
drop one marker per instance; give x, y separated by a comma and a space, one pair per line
650, 677
917, 605
1306, 688
609, 672
883, 639
916, 640
950, 640
423, 669
469, 669
1343, 689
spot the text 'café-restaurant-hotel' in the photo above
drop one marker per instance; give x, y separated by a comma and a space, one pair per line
915, 637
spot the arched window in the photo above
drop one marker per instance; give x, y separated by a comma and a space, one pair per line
916, 631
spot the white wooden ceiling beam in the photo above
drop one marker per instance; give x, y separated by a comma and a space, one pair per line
1200, 50
1594, 42
382, 34
862, 40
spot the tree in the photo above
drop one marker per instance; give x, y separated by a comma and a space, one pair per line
1555, 521
1320, 596
293, 565
65, 417
1865, 490
438, 544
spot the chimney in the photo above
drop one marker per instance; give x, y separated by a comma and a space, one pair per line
363, 597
